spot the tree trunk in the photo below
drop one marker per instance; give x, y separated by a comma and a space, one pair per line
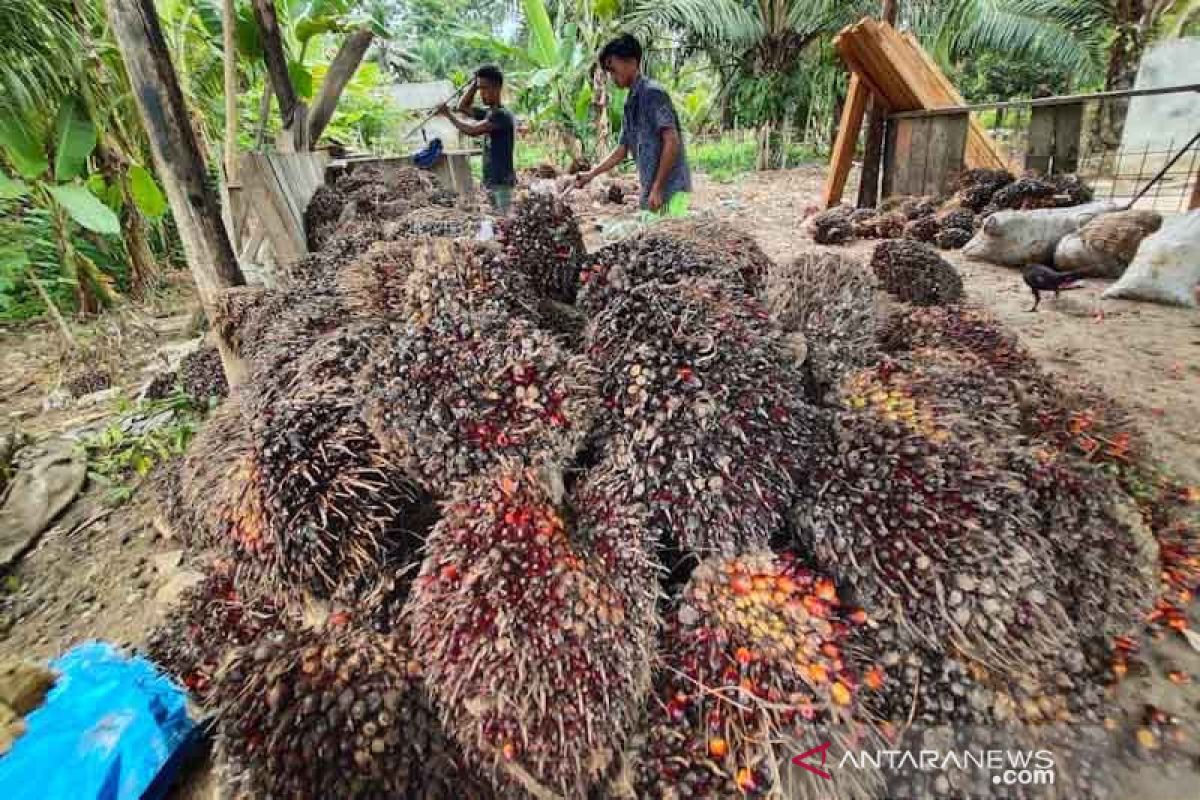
229, 45
600, 110
868, 185
344, 65
291, 110
1124, 54
177, 158
264, 114
114, 165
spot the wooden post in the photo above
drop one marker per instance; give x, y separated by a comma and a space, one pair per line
868, 185
291, 110
344, 65
847, 140
177, 158
229, 44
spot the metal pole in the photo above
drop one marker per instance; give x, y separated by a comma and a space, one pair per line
1164, 170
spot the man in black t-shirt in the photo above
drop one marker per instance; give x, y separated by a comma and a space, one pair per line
497, 126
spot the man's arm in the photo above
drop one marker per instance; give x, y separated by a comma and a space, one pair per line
670, 154
469, 128
613, 159
667, 123
468, 100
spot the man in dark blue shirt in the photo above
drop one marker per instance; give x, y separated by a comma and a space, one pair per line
497, 126
650, 131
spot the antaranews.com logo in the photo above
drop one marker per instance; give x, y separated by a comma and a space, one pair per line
999, 766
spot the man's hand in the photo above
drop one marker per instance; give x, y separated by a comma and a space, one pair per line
655, 201
583, 179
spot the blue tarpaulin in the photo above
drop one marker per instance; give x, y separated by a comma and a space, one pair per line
112, 728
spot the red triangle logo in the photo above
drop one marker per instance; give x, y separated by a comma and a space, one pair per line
801, 760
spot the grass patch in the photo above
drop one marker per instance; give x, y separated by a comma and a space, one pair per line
726, 158
144, 435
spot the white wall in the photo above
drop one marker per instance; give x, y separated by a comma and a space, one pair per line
1159, 120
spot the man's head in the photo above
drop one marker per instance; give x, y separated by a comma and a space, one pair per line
491, 81
622, 60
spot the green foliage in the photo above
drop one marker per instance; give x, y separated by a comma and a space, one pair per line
149, 198
725, 158
21, 146
74, 140
11, 188
118, 457
86, 209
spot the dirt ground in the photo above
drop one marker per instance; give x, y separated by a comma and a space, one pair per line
104, 572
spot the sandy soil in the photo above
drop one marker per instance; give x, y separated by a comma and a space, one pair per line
101, 572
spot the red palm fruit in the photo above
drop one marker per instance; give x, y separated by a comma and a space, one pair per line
792, 696
454, 398
538, 653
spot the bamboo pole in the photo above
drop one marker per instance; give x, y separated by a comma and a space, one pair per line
229, 44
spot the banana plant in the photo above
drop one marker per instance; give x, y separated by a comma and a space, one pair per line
50, 171
554, 65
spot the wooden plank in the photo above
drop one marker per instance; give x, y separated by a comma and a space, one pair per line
944, 158
1039, 148
887, 189
899, 69
908, 135
847, 139
1068, 127
460, 173
274, 211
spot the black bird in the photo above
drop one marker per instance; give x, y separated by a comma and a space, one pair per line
1040, 278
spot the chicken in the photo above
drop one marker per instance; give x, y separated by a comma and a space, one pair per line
1040, 278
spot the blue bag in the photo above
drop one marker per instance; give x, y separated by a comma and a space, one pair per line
426, 157
112, 728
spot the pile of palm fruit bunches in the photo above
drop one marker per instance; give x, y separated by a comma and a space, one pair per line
511, 519
949, 222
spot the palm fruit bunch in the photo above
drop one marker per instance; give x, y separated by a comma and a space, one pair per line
541, 239
337, 511
1024, 193
833, 226
448, 278
211, 500
275, 327
916, 207
315, 271
975, 187
322, 216
915, 273
1107, 558
545, 171
455, 397
940, 393
923, 229
963, 328
715, 242
451, 223
536, 637
754, 673
953, 238
830, 299
162, 385
87, 379
202, 374
707, 419
930, 539
961, 218
375, 284
669, 252
1070, 190
889, 225
862, 222
337, 709
615, 193
211, 618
